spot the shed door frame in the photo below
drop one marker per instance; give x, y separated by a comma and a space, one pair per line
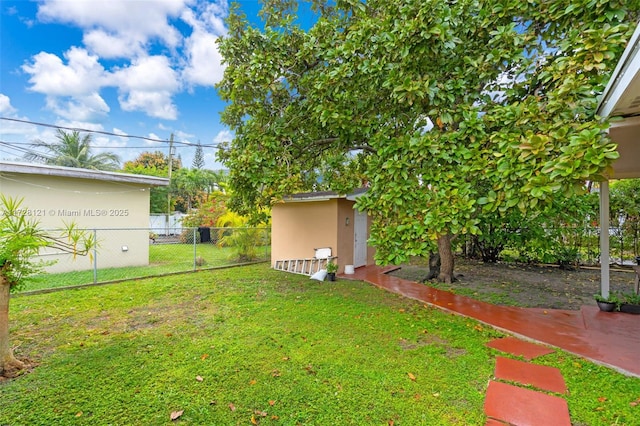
359, 239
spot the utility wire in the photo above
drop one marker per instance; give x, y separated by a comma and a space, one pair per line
101, 132
115, 147
25, 150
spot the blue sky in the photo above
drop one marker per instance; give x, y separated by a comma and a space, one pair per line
129, 67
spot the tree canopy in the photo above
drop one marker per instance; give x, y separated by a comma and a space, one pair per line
443, 109
73, 150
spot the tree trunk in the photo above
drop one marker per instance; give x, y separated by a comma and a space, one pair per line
446, 259
8, 363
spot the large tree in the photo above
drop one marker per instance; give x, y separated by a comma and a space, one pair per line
72, 150
445, 109
21, 238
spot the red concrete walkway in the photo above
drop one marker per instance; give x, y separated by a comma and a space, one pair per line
611, 339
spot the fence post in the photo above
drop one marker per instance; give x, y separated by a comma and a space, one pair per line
195, 251
95, 256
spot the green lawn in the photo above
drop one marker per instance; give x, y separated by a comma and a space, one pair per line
250, 345
163, 259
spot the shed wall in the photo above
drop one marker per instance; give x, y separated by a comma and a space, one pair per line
299, 228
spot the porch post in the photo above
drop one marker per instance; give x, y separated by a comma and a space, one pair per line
604, 238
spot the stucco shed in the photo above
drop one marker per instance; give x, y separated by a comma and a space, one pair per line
305, 222
115, 206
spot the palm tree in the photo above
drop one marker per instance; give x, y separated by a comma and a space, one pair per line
71, 150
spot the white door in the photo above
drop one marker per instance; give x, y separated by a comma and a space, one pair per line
359, 239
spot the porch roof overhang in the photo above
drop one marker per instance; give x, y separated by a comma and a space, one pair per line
621, 103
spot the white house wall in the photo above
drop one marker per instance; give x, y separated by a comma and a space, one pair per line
111, 208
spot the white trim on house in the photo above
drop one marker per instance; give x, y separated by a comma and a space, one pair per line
621, 97
71, 172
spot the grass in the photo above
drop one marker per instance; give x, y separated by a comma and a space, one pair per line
163, 259
251, 345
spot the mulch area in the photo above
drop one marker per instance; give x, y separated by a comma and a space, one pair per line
534, 286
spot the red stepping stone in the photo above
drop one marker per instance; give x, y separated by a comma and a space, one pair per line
519, 347
524, 407
539, 376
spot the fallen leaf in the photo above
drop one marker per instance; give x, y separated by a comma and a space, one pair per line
417, 397
285, 358
232, 407
275, 418
271, 402
253, 420
478, 328
602, 399
199, 378
276, 373
391, 423
175, 415
204, 356
411, 376
253, 382
260, 413
79, 414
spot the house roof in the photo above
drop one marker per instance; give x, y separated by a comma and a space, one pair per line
323, 196
621, 98
71, 172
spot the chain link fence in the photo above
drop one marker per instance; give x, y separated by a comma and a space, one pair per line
570, 244
129, 253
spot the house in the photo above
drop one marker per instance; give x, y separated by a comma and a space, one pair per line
114, 206
303, 223
621, 98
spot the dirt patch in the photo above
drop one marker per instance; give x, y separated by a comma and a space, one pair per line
532, 286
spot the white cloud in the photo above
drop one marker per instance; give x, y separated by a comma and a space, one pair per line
111, 46
127, 23
81, 75
183, 136
132, 32
155, 104
80, 108
148, 85
71, 89
223, 136
204, 61
5, 105
153, 143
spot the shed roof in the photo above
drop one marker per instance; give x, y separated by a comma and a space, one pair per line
322, 196
72, 172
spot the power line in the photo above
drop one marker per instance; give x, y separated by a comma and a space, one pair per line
114, 147
101, 132
25, 150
